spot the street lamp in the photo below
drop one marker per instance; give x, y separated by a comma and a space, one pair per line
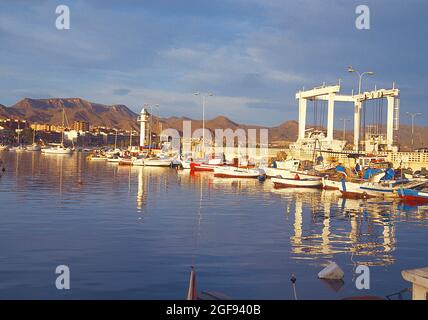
344, 127
413, 115
360, 76
203, 115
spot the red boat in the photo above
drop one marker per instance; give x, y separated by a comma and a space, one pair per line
206, 166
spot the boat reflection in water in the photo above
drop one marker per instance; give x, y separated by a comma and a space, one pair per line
326, 224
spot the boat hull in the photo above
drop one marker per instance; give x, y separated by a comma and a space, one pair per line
289, 174
296, 183
329, 184
157, 163
234, 172
365, 190
57, 151
413, 196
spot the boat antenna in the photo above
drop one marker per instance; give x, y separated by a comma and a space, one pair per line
293, 281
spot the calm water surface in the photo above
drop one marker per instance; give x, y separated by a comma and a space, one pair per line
133, 233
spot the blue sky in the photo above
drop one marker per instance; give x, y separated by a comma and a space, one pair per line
254, 55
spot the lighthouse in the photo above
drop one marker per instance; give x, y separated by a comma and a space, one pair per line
143, 119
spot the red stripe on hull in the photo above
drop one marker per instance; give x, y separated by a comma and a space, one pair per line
223, 175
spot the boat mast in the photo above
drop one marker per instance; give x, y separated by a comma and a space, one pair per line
62, 135
130, 140
115, 140
19, 133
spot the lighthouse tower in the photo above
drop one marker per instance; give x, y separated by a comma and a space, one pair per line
143, 119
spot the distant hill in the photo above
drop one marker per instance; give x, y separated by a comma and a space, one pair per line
50, 111
121, 117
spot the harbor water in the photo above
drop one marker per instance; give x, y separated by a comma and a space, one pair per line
134, 232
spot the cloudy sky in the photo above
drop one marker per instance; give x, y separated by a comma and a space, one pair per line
253, 55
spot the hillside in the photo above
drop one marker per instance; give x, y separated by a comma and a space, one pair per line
50, 111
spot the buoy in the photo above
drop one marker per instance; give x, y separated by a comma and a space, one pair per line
331, 272
262, 178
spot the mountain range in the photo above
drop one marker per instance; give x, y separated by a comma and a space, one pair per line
121, 117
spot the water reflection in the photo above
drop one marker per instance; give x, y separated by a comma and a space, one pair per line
242, 227
336, 225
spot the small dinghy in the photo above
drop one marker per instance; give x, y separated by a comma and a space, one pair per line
280, 182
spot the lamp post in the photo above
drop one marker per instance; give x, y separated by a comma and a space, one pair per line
412, 115
360, 76
360, 82
203, 116
344, 127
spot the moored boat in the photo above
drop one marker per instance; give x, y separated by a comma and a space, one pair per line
157, 162
96, 157
413, 195
280, 182
57, 150
288, 169
34, 147
19, 148
206, 166
235, 172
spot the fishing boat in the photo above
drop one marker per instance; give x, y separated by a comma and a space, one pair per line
288, 169
280, 182
416, 195
363, 189
236, 172
210, 165
330, 183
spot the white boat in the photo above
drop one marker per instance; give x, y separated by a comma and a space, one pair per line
234, 172
330, 183
157, 162
376, 189
3, 147
96, 157
114, 159
280, 182
34, 147
19, 148
288, 169
186, 164
60, 149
